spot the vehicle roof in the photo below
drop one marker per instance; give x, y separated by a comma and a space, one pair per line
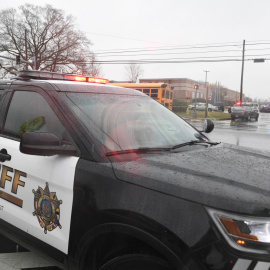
71, 86
65, 82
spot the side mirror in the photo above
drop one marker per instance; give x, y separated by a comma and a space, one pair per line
208, 125
44, 144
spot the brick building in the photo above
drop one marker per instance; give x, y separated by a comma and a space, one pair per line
183, 89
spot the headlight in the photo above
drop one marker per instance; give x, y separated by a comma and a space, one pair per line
245, 233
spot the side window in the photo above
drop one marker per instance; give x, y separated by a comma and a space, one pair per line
154, 93
29, 112
1, 97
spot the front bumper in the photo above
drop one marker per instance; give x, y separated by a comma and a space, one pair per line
219, 256
239, 116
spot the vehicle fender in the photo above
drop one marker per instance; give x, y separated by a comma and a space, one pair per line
128, 230
100, 198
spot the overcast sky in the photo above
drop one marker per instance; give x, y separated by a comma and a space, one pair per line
168, 29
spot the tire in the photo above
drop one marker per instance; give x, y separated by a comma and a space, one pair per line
257, 117
249, 118
136, 262
209, 109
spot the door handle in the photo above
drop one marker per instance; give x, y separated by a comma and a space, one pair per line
4, 155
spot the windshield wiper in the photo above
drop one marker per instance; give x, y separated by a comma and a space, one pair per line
193, 143
143, 150
138, 150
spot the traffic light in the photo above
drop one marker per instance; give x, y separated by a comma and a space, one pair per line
18, 59
196, 86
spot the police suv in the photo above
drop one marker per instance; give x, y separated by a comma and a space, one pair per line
100, 177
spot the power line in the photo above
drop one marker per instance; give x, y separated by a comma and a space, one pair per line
167, 61
251, 44
177, 48
169, 53
169, 49
123, 37
179, 59
171, 46
205, 45
177, 53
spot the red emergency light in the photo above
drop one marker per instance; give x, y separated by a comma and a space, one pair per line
238, 103
44, 75
97, 80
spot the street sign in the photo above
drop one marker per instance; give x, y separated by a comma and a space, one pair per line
259, 60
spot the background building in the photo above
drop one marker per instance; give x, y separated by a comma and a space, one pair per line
183, 89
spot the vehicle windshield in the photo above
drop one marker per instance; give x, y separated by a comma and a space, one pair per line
129, 122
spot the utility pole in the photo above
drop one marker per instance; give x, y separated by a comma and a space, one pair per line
242, 72
196, 86
25, 40
206, 85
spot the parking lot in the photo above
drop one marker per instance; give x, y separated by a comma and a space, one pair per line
254, 134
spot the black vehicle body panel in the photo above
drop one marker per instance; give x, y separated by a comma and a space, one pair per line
161, 194
213, 183
102, 199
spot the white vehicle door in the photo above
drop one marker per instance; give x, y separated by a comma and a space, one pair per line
36, 192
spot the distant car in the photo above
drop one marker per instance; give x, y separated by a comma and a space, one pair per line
244, 112
265, 108
192, 106
201, 107
220, 106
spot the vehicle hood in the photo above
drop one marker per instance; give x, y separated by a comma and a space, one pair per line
225, 176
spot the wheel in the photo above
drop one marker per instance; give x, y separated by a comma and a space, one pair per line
257, 117
249, 118
136, 262
121, 252
209, 109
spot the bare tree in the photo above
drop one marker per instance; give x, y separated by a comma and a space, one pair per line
44, 33
133, 72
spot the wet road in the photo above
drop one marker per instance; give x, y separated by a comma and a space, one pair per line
254, 134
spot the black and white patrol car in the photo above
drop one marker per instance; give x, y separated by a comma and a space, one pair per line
100, 177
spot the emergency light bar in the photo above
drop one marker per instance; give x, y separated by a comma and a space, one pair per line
45, 75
